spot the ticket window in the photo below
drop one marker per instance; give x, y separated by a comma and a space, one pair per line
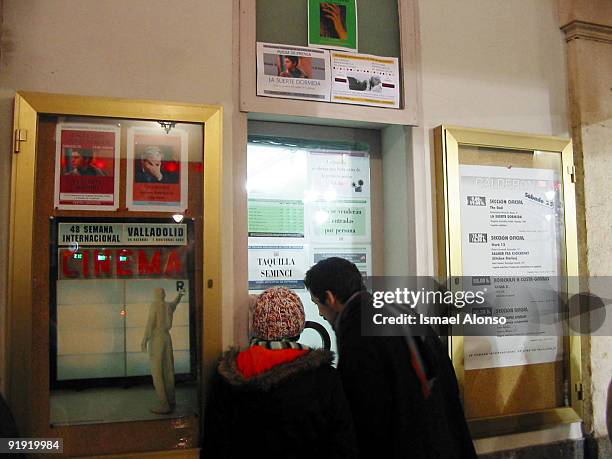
310, 196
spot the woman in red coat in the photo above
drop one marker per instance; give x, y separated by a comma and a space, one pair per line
278, 398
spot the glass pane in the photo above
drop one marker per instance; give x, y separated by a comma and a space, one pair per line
307, 201
122, 216
513, 233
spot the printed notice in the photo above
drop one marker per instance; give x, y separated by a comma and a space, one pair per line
276, 218
345, 221
361, 256
113, 234
511, 221
276, 266
335, 175
292, 72
363, 79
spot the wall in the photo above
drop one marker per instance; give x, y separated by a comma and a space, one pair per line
588, 28
178, 51
494, 64
491, 64
485, 63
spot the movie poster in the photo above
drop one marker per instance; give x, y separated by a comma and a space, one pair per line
333, 24
87, 167
157, 172
292, 72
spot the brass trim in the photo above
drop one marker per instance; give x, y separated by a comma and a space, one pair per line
28, 105
525, 422
447, 140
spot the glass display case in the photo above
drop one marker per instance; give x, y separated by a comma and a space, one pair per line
112, 215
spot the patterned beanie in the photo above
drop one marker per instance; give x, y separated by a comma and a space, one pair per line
278, 313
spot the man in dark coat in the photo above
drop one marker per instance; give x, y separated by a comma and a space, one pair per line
402, 390
278, 398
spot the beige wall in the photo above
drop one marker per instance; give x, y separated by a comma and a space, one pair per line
589, 51
493, 64
177, 51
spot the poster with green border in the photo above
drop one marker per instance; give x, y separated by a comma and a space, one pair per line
332, 24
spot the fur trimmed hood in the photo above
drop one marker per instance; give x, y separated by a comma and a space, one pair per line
229, 371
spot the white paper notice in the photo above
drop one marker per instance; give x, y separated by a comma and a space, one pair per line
361, 256
511, 222
335, 175
292, 72
363, 79
276, 266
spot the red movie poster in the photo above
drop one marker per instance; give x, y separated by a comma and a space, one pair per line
87, 167
157, 170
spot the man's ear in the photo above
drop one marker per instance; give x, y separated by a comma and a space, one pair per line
332, 300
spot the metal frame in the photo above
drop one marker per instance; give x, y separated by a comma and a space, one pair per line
447, 140
21, 286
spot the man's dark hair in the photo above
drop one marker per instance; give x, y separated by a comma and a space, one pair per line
86, 153
339, 276
293, 59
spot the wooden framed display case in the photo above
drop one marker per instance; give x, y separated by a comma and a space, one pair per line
110, 415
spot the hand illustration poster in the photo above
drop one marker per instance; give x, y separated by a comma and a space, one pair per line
157, 170
332, 24
87, 167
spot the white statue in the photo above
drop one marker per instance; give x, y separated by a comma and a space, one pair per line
157, 334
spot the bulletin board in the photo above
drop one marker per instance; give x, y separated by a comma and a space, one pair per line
509, 384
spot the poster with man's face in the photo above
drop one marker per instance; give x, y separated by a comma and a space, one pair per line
87, 167
157, 170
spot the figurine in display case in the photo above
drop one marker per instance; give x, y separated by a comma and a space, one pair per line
157, 335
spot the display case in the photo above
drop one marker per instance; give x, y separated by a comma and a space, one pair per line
114, 303
507, 229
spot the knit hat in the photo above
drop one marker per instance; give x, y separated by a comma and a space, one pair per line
278, 313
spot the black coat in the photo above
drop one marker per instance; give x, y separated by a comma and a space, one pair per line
295, 410
391, 415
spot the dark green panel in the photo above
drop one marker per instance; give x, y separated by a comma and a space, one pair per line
283, 21
286, 22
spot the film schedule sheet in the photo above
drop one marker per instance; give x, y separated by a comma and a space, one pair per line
511, 241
